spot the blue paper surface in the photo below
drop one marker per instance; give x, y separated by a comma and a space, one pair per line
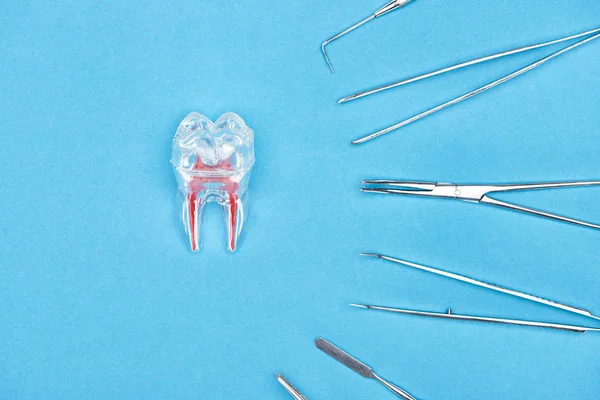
100, 296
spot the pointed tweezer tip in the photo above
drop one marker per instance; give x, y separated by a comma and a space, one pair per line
363, 139
375, 255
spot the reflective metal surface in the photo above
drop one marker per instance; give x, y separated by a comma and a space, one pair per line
474, 92
486, 285
391, 6
295, 393
359, 367
476, 193
463, 65
450, 315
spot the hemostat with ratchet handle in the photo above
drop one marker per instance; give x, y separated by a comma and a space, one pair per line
475, 193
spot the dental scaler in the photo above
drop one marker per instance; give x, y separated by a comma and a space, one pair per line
212, 163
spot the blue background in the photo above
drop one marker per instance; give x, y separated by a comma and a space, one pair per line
100, 296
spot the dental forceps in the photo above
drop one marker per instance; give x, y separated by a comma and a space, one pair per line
595, 35
476, 193
391, 6
295, 393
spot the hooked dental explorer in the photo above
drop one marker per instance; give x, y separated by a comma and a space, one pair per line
341, 356
475, 92
485, 285
391, 6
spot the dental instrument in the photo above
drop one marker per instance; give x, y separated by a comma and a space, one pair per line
464, 65
391, 6
450, 315
295, 393
471, 93
357, 366
486, 285
475, 193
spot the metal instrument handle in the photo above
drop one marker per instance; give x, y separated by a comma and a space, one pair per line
394, 389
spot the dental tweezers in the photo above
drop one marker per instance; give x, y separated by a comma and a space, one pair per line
589, 36
489, 286
475, 193
450, 315
485, 285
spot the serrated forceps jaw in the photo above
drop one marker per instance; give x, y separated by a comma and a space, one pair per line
295, 393
426, 189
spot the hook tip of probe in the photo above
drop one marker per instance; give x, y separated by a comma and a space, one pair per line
325, 43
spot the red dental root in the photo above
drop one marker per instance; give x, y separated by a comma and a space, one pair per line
196, 203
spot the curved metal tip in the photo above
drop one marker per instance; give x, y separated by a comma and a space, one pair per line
325, 43
358, 305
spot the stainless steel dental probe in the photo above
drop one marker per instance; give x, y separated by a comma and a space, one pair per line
295, 393
450, 315
486, 285
476, 193
463, 65
357, 366
474, 92
391, 6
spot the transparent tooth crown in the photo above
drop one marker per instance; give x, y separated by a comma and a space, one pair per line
212, 163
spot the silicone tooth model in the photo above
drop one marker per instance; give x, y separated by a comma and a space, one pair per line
212, 163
